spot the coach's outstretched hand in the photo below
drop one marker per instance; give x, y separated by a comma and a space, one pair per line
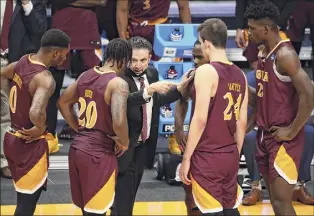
160, 87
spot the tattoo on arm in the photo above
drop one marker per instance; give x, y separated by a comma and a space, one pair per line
118, 103
46, 87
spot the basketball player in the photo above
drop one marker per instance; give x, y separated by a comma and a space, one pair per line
284, 102
218, 125
139, 17
102, 98
180, 113
25, 146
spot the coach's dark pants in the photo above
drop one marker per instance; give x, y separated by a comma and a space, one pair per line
131, 169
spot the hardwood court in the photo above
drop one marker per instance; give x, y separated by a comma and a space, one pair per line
157, 208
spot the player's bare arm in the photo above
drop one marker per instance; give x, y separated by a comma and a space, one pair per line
66, 105
251, 122
180, 113
184, 11
288, 63
122, 17
119, 90
44, 86
89, 3
7, 72
252, 96
205, 81
242, 121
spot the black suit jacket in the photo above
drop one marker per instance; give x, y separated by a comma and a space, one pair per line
26, 31
135, 120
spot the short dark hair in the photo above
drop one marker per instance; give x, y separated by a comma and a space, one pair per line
263, 10
215, 31
118, 50
140, 43
197, 43
55, 38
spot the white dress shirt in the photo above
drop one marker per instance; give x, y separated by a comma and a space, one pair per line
149, 105
27, 9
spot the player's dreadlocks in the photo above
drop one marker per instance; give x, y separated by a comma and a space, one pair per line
141, 43
263, 10
118, 51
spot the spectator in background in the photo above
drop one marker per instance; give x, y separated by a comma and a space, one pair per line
302, 15
108, 22
78, 19
251, 49
139, 17
23, 23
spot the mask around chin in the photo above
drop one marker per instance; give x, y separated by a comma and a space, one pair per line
137, 74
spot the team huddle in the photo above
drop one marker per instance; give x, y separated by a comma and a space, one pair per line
282, 102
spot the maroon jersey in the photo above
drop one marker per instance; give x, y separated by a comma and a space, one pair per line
141, 10
20, 97
80, 24
277, 99
95, 121
224, 110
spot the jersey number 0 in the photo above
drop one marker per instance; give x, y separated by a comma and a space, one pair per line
90, 110
13, 99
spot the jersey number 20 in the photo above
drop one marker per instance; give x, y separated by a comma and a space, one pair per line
13, 98
90, 113
236, 106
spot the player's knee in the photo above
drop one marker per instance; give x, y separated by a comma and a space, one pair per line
231, 212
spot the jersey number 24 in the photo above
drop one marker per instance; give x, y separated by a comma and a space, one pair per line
236, 106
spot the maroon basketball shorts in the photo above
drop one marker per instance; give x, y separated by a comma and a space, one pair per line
28, 162
279, 159
92, 180
90, 58
214, 181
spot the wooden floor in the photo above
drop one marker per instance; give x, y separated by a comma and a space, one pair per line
157, 208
